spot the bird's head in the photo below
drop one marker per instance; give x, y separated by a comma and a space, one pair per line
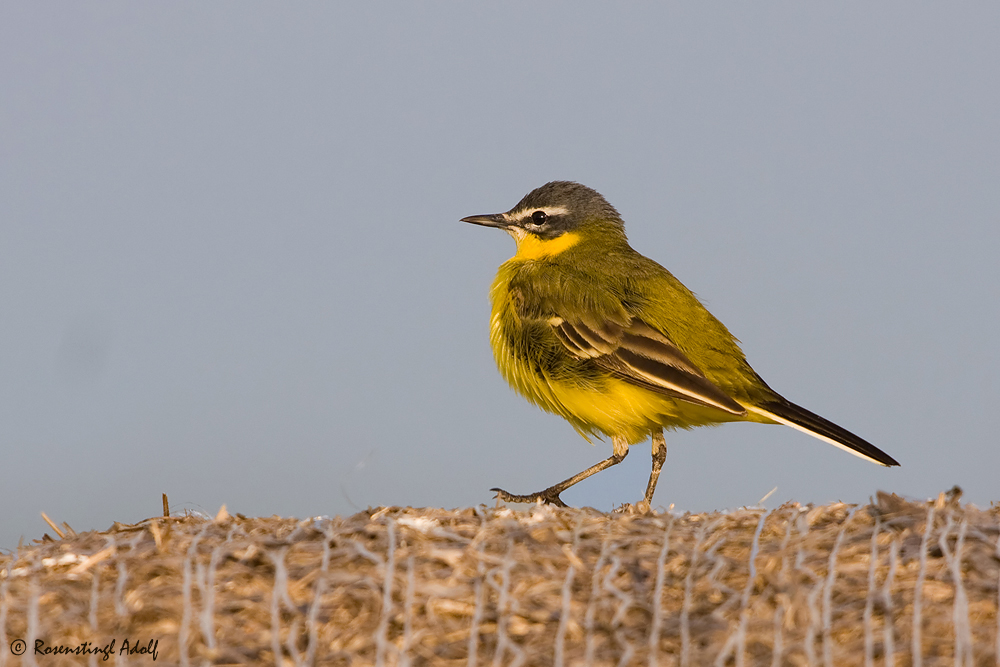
554, 217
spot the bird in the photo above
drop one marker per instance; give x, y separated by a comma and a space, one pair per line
587, 328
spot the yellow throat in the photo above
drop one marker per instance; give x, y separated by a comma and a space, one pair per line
531, 247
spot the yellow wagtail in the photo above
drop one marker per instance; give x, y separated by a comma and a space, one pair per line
585, 327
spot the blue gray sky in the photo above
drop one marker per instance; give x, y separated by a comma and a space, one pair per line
232, 271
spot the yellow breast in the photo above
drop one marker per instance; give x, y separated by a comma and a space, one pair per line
532, 360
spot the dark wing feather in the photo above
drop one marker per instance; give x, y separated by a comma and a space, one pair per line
642, 355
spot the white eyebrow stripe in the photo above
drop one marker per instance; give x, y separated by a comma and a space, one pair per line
518, 216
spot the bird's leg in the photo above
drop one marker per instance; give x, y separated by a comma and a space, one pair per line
659, 456
551, 495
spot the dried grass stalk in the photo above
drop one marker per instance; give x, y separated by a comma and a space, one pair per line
893, 582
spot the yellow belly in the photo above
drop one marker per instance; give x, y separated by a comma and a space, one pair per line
593, 401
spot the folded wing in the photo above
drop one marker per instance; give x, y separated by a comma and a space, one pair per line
638, 353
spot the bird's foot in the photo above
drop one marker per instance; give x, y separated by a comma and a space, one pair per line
641, 507
548, 496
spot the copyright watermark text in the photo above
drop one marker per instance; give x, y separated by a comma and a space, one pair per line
124, 647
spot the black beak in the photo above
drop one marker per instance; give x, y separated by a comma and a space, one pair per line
494, 220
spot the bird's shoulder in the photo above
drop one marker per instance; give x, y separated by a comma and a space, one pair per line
616, 282
613, 285
567, 288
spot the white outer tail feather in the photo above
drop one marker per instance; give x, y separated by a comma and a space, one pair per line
786, 422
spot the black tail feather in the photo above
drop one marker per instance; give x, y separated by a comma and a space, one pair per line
816, 424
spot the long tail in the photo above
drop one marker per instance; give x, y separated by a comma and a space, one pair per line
789, 414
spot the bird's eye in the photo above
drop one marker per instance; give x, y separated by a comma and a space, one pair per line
539, 217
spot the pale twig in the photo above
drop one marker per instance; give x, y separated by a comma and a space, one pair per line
275, 607
366, 553
624, 602
120, 607
624, 599
870, 598
566, 600
411, 585
741, 634
628, 652
291, 644
508, 606
779, 611
815, 622
503, 610
92, 560
389, 573
960, 607
831, 577
4, 644
281, 595
200, 577
154, 528
595, 592
32, 631
311, 624
95, 596
688, 594
888, 630
815, 618
661, 574
188, 609
916, 643
53, 526
719, 566
735, 641
478, 609
760, 503
206, 583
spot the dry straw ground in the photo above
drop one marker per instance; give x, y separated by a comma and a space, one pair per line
894, 583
